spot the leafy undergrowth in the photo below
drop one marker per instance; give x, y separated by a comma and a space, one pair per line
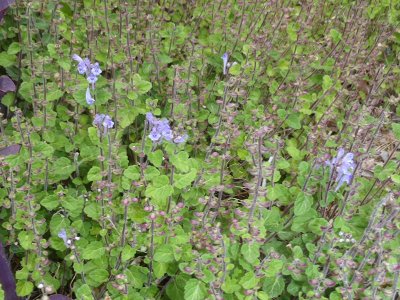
200, 149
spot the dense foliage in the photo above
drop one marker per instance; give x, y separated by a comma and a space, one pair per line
193, 150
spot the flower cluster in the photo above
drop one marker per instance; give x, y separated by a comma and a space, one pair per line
103, 121
344, 165
92, 72
161, 130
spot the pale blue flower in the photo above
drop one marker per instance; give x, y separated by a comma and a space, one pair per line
95, 69
343, 164
89, 99
225, 58
63, 235
92, 78
180, 139
103, 121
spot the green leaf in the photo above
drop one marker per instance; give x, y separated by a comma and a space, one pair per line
302, 204
50, 202
93, 250
98, 276
84, 292
14, 48
396, 130
156, 157
249, 280
26, 239
159, 189
251, 252
274, 286
181, 161
326, 83
24, 288
63, 168
195, 290
94, 137
73, 205
335, 35
273, 268
132, 173
175, 290
164, 253
293, 121
142, 86
183, 180
127, 253
94, 174
6, 60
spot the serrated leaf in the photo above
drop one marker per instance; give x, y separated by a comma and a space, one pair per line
94, 174
164, 253
181, 161
98, 275
274, 286
93, 250
302, 204
183, 180
159, 189
24, 288
156, 157
250, 252
195, 290
50, 202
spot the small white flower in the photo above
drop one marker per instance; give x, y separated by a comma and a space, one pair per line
40, 286
77, 238
341, 233
69, 242
341, 240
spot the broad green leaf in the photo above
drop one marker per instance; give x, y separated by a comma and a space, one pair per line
94, 174
396, 130
132, 172
274, 286
302, 204
326, 83
273, 267
250, 252
98, 276
50, 202
164, 254
93, 250
249, 281
195, 290
159, 189
183, 180
156, 157
24, 288
6, 60
293, 121
181, 161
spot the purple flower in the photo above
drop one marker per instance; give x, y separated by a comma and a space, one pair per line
344, 166
225, 58
180, 139
154, 135
63, 235
95, 69
103, 121
86, 67
91, 78
161, 130
83, 64
89, 98
150, 118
